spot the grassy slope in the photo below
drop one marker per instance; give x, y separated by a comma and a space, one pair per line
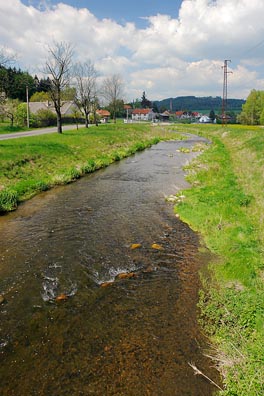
226, 206
33, 164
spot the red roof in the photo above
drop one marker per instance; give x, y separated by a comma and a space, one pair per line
179, 113
103, 113
141, 111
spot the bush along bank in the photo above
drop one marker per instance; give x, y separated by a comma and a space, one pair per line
232, 300
35, 164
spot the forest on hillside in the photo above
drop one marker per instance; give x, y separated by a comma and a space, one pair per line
193, 103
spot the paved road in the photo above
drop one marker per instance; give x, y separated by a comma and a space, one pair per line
35, 132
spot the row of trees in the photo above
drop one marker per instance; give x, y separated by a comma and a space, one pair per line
65, 80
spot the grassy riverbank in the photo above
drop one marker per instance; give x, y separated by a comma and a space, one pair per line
226, 206
33, 164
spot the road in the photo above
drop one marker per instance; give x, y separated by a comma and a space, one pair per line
35, 132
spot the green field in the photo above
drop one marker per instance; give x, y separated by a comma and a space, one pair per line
225, 205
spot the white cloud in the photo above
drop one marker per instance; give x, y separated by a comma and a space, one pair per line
170, 57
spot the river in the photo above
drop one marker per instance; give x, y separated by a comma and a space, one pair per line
100, 282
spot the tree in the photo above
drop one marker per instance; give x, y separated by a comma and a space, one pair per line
40, 97
252, 109
85, 77
21, 116
94, 107
117, 107
10, 109
212, 115
145, 103
58, 66
112, 91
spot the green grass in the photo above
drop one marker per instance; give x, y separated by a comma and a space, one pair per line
226, 206
6, 128
33, 164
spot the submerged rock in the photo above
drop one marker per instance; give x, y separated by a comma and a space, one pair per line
62, 297
106, 284
157, 246
135, 246
125, 275
2, 299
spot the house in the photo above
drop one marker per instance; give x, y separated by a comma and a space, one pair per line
205, 119
179, 114
143, 115
67, 108
104, 115
165, 116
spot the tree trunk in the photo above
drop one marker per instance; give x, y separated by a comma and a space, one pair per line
86, 120
59, 123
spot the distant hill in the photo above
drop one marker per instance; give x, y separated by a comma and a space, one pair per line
193, 103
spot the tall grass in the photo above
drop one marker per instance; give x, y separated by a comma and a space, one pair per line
226, 206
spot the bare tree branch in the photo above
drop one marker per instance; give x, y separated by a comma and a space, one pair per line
112, 91
85, 77
58, 67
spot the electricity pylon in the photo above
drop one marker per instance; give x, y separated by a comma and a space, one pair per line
224, 100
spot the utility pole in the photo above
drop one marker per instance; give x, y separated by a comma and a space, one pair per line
224, 100
27, 106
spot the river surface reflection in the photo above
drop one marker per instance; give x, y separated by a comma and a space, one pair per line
64, 329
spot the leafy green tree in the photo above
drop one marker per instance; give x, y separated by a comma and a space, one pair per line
21, 116
252, 109
10, 109
40, 97
44, 85
116, 108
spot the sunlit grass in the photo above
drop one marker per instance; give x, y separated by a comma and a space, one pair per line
226, 207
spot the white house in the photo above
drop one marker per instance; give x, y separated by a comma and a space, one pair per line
205, 119
143, 115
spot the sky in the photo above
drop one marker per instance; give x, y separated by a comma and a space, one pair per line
167, 48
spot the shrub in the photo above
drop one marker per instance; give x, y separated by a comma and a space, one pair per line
46, 118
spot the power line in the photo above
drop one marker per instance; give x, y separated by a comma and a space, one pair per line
224, 100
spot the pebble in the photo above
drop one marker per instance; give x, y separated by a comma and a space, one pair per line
135, 246
62, 297
157, 246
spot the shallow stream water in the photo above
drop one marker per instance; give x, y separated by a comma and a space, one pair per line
100, 281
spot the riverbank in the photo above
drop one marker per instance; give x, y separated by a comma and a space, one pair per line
226, 206
35, 164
